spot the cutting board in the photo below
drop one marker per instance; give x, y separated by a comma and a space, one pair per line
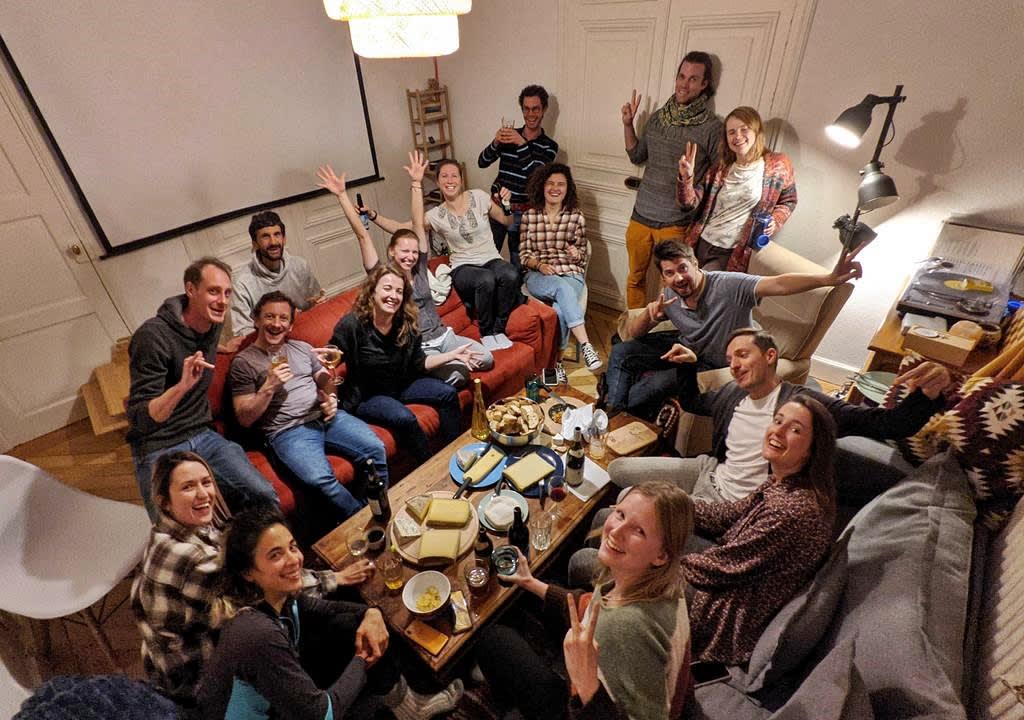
631, 438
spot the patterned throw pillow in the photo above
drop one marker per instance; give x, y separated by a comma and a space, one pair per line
985, 427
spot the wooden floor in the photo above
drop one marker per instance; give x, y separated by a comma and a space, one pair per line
103, 466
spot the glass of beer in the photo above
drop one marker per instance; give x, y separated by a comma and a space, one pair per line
277, 358
390, 567
330, 356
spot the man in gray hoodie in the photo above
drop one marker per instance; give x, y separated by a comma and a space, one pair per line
171, 359
271, 268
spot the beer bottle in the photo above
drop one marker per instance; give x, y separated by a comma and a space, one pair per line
518, 533
483, 548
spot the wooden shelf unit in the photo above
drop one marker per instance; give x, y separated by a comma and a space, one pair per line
431, 124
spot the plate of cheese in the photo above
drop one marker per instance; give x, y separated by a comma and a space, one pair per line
433, 529
534, 463
496, 511
484, 470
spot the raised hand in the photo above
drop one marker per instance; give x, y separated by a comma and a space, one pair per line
687, 161
846, 268
581, 651
656, 308
630, 108
192, 369
679, 354
928, 377
417, 166
330, 181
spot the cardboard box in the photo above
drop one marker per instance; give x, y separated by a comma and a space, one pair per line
938, 345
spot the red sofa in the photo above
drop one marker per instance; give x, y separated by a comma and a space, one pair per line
533, 329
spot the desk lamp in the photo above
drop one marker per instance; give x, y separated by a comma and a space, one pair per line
876, 189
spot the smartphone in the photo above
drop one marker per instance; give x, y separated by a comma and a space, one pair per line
549, 376
705, 673
363, 215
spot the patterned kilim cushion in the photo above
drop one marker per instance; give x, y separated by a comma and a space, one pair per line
932, 438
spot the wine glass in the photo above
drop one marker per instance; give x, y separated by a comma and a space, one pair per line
330, 356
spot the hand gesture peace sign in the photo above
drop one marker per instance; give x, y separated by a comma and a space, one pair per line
687, 161
581, 650
630, 108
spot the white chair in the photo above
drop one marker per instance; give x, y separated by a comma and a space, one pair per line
61, 549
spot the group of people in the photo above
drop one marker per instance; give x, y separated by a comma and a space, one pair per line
692, 561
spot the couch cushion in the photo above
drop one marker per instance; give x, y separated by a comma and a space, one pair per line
834, 690
906, 592
801, 623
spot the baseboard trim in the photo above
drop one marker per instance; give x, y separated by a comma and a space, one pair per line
831, 371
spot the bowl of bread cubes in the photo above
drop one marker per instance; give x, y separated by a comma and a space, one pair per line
515, 421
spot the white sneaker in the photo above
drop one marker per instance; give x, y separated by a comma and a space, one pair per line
418, 707
590, 356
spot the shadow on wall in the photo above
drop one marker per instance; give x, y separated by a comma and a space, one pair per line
934, 149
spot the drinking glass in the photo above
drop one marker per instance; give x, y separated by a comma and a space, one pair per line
330, 356
390, 567
540, 530
277, 358
357, 544
477, 573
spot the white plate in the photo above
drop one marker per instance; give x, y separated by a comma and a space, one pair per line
486, 499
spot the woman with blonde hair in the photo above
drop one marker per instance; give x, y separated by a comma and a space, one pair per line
627, 648
386, 366
173, 596
747, 179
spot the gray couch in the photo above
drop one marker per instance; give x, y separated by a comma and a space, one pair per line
902, 620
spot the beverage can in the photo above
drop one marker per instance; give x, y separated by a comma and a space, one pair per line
532, 387
759, 230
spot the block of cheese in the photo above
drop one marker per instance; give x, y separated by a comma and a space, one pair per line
465, 457
448, 513
406, 528
417, 506
439, 545
528, 471
483, 466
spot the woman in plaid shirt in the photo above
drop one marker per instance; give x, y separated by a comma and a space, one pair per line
553, 250
172, 596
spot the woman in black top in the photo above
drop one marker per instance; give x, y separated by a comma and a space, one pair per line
386, 365
286, 654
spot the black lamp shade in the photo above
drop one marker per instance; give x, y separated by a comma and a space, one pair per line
876, 189
852, 123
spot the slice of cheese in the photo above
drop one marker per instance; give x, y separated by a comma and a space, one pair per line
500, 512
528, 471
448, 513
483, 466
465, 457
406, 528
418, 506
439, 545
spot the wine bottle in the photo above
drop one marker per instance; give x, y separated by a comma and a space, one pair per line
574, 459
480, 430
483, 548
363, 215
377, 494
518, 533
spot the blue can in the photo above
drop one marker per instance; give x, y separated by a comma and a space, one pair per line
759, 230
532, 387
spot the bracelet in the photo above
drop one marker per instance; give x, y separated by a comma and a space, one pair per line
375, 214
417, 187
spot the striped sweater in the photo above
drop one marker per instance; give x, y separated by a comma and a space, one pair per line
517, 163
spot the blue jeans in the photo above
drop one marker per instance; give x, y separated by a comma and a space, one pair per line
563, 293
301, 449
499, 231
638, 379
392, 413
238, 481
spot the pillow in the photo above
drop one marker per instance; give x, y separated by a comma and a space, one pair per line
835, 690
801, 623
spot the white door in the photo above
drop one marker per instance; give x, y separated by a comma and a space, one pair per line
610, 47
56, 320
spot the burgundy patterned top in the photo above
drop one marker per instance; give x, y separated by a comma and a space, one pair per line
772, 542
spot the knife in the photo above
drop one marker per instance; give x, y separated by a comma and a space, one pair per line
465, 482
543, 491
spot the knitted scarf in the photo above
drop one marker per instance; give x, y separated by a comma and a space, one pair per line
674, 114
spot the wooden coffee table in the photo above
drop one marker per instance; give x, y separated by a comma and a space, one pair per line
434, 475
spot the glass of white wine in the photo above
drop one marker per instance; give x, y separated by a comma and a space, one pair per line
330, 356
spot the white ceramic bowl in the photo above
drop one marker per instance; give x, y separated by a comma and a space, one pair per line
419, 583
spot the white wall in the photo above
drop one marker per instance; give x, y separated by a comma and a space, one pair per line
955, 152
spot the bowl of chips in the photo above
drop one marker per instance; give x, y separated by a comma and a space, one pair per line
426, 593
515, 421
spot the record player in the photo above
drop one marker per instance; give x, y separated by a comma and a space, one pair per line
942, 291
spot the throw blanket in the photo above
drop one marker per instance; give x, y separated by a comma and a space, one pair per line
440, 283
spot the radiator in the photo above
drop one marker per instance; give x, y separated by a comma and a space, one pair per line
999, 677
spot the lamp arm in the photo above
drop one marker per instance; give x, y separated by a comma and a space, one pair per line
893, 101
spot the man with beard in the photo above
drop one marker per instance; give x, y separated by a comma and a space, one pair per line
705, 308
271, 268
686, 117
171, 359
293, 405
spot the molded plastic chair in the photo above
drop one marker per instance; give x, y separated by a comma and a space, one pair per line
61, 549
